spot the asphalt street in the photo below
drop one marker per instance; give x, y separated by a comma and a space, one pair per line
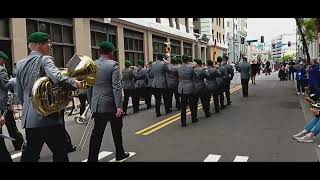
253, 129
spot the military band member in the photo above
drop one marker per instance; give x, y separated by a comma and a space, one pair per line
200, 88
41, 129
221, 81
5, 86
150, 76
159, 70
173, 82
228, 80
245, 71
128, 88
4, 153
105, 99
211, 76
185, 89
141, 79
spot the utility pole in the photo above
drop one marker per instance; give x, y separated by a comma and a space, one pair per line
234, 55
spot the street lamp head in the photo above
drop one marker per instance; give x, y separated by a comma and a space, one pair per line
107, 20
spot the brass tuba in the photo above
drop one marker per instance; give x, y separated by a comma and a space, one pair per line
48, 98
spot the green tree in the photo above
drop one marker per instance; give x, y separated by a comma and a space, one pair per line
308, 29
288, 57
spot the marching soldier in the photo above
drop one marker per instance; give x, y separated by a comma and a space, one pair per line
149, 84
211, 76
41, 129
185, 89
245, 71
221, 81
140, 76
105, 99
200, 89
159, 70
173, 82
4, 153
6, 85
129, 89
228, 79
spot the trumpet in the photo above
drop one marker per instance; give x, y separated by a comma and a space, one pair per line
82, 119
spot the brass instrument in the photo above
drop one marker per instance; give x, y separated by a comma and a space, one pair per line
48, 98
83, 118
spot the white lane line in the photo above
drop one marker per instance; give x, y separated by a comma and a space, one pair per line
241, 159
212, 158
131, 154
102, 155
16, 155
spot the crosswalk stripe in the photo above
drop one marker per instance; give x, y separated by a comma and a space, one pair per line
101, 155
16, 155
241, 159
212, 158
131, 154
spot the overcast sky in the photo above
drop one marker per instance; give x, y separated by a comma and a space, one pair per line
269, 28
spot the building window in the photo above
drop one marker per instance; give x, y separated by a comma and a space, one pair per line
170, 22
223, 23
175, 48
133, 46
236, 27
177, 23
4, 28
187, 49
217, 36
158, 20
196, 31
217, 21
212, 32
187, 24
212, 19
228, 24
220, 37
101, 32
61, 32
195, 19
5, 42
158, 46
228, 34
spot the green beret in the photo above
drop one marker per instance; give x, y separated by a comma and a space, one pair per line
127, 63
38, 37
198, 61
141, 62
107, 46
3, 56
219, 59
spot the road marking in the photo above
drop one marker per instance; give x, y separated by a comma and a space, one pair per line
131, 154
16, 155
241, 159
101, 155
167, 121
212, 158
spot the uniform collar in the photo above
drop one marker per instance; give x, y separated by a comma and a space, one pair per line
33, 53
104, 58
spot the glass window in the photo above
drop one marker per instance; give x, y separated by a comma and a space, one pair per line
68, 53
177, 23
100, 37
158, 20
44, 27
93, 38
32, 26
67, 34
4, 27
58, 56
56, 33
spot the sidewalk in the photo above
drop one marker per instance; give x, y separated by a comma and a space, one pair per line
305, 106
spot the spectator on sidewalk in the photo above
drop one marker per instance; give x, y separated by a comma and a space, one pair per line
311, 129
314, 74
300, 77
291, 69
282, 74
254, 68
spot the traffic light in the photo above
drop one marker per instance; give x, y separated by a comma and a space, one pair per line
262, 39
289, 43
242, 40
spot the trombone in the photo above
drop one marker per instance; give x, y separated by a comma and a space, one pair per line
89, 124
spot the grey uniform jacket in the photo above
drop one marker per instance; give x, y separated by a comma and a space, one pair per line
128, 79
186, 76
223, 76
27, 73
106, 95
150, 77
172, 76
159, 70
245, 70
199, 85
140, 78
211, 76
229, 70
4, 87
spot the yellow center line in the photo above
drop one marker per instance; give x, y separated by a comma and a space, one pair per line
167, 121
